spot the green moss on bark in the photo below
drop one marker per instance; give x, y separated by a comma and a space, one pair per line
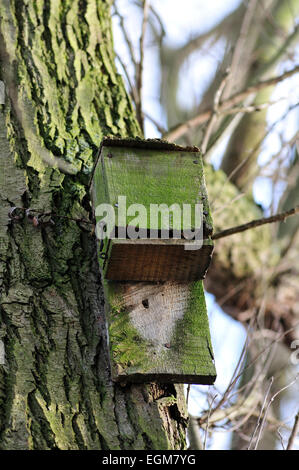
63, 94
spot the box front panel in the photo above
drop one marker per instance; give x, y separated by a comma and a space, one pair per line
150, 177
159, 332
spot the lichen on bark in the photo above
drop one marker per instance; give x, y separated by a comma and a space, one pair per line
63, 94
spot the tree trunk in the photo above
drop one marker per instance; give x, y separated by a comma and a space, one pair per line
63, 95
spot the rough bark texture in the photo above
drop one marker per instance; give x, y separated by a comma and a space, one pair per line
63, 95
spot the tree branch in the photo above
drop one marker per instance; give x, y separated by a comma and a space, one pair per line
268, 406
256, 223
181, 129
139, 69
215, 112
294, 432
240, 44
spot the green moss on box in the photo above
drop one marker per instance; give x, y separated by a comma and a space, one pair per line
140, 352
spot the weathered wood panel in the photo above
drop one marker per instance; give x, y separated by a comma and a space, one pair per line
159, 332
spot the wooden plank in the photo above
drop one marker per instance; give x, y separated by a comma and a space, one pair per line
149, 260
159, 332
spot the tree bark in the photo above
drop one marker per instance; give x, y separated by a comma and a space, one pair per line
63, 95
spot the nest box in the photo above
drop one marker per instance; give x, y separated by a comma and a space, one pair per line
159, 182
155, 306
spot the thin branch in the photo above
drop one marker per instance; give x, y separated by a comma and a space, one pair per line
159, 127
241, 41
256, 223
291, 40
277, 156
155, 14
131, 86
237, 373
207, 428
269, 404
231, 122
181, 129
233, 381
280, 438
259, 143
225, 206
249, 108
188, 393
294, 432
214, 117
235, 99
258, 424
139, 75
126, 37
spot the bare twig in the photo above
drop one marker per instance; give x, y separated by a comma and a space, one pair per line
277, 156
248, 109
188, 393
258, 424
131, 86
230, 122
225, 206
294, 432
253, 361
162, 32
207, 428
233, 380
241, 41
214, 116
181, 129
268, 406
139, 74
280, 438
158, 35
257, 87
250, 154
130, 47
291, 40
256, 223
160, 128
245, 404
126, 37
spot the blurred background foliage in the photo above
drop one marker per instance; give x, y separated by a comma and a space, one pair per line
223, 75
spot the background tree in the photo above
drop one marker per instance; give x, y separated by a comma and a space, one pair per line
253, 275
63, 94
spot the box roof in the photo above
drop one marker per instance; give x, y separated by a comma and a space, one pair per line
155, 144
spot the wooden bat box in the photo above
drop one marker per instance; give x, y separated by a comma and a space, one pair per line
158, 327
